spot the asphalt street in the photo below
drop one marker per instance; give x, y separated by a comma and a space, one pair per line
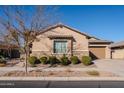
61, 84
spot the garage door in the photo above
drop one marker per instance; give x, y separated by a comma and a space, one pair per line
97, 52
118, 54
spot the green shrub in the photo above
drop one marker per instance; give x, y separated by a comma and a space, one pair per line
64, 60
86, 60
74, 59
2, 60
52, 60
43, 60
32, 60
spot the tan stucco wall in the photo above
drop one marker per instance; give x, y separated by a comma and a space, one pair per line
108, 53
118, 54
45, 45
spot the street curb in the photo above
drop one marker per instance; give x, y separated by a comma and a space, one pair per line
63, 78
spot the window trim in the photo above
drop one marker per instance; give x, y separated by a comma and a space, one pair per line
65, 40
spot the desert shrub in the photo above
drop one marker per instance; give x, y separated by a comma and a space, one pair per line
64, 60
52, 60
32, 60
2, 60
74, 60
93, 73
43, 60
86, 60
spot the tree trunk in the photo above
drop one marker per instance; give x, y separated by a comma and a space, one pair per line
26, 66
26, 60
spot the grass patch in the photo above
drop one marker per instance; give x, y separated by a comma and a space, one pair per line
93, 73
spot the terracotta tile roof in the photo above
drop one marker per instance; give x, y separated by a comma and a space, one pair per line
99, 41
118, 44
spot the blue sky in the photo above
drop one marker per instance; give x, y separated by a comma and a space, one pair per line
105, 22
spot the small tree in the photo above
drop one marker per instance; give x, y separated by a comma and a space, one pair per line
22, 24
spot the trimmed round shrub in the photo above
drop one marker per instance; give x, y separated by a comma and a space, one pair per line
2, 60
32, 60
74, 60
64, 60
52, 60
86, 60
43, 60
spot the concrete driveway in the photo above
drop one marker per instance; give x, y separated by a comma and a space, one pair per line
111, 65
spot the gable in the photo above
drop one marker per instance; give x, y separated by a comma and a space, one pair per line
62, 30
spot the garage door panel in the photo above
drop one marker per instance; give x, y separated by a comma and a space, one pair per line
98, 52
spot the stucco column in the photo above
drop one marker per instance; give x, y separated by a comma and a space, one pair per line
108, 53
69, 47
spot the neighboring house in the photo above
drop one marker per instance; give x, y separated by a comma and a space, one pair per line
117, 50
9, 50
61, 39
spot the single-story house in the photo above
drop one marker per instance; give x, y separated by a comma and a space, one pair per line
117, 50
9, 50
61, 39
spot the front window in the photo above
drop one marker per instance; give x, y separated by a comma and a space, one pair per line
60, 46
